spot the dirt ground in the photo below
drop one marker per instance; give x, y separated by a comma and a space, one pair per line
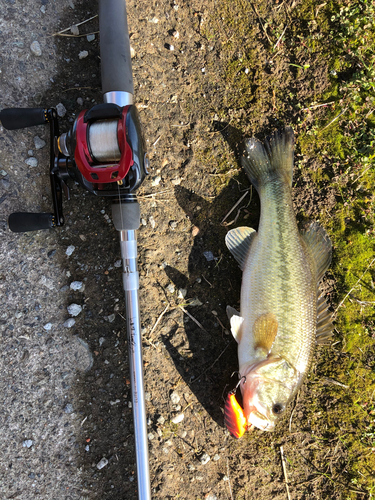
66, 390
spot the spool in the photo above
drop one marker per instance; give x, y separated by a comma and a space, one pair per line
103, 141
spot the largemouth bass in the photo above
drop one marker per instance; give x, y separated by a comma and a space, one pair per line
282, 313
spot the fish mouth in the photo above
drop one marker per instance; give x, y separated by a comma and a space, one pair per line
257, 419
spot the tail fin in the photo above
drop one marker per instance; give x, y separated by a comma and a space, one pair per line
274, 160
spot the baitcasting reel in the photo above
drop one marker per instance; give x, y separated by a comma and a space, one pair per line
104, 152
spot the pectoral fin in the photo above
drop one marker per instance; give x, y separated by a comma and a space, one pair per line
265, 331
319, 248
236, 321
238, 242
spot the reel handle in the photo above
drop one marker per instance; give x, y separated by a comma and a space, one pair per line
13, 118
20, 222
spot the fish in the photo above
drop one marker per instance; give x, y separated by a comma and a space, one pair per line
283, 313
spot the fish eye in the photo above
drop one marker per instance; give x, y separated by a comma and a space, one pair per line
277, 408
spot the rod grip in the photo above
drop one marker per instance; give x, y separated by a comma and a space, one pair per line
13, 118
116, 66
20, 222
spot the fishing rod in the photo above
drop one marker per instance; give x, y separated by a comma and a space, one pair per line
105, 153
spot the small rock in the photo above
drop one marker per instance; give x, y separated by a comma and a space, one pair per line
32, 475
175, 398
68, 408
87, 448
32, 162
152, 222
83, 54
216, 457
47, 326
27, 443
70, 250
182, 293
80, 101
211, 496
76, 285
205, 458
171, 288
5, 184
156, 181
90, 37
195, 302
74, 309
4, 173
35, 49
194, 231
178, 418
39, 143
118, 263
103, 462
150, 436
61, 110
173, 224
101, 341
132, 52
69, 323
161, 420
111, 318
209, 256
177, 181
112, 403
143, 222
147, 396
30, 152
74, 30
166, 450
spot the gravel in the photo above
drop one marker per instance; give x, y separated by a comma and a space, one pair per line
35, 49
103, 462
74, 309
69, 323
70, 250
32, 162
39, 143
61, 110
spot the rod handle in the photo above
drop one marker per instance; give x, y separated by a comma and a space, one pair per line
20, 222
13, 118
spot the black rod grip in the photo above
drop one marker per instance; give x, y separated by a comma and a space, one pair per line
20, 222
115, 47
13, 118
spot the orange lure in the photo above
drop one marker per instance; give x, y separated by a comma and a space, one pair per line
234, 417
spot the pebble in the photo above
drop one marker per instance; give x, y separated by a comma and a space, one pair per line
4, 183
150, 436
32, 162
70, 250
178, 418
147, 396
61, 110
143, 222
195, 302
161, 420
87, 447
171, 288
91, 37
103, 462
32, 475
194, 231
118, 263
156, 181
209, 256
74, 30
182, 293
175, 398
152, 222
173, 224
69, 323
216, 457
47, 326
30, 152
83, 54
35, 48
76, 285
166, 450
68, 408
205, 458
101, 341
176, 182
27, 443
80, 101
74, 309
111, 318
39, 143
132, 52
211, 496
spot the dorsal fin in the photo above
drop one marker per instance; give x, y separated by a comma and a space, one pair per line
265, 331
238, 242
236, 321
319, 247
324, 326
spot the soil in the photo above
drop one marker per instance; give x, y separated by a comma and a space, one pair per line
194, 124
